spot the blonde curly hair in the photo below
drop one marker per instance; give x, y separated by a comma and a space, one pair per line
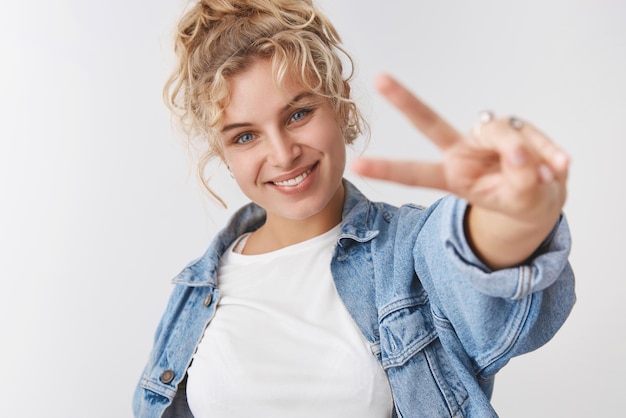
217, 39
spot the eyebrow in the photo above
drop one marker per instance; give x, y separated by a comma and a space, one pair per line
288, 106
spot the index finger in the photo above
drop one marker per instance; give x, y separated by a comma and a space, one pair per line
419, 114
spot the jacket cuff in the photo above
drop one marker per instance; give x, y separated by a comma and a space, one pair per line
541, 270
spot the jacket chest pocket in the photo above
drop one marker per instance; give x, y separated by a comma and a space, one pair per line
421, 379
406, 327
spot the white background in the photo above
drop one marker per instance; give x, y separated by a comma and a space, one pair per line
99, 208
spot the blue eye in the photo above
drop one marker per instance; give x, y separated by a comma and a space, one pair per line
244, 138
300, 114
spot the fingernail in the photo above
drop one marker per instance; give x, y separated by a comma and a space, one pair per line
545, 173
485, 116
560, 160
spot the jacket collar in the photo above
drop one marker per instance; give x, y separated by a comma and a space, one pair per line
356, 217
203, 271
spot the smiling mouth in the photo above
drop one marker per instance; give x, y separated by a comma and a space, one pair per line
296, 180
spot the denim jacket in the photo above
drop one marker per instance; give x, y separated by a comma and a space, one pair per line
438, 320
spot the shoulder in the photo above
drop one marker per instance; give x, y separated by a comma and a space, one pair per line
364, 219
358, 206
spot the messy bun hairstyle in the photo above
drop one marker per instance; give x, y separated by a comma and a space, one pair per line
217, 39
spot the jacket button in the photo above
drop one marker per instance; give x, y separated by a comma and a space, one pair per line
167, 376
208, 300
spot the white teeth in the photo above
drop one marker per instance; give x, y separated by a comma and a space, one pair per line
294, 181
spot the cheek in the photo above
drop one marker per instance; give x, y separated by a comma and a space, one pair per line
339, 143
230, 159
340, 154
242, 166
332, 134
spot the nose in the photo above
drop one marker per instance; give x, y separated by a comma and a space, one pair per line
283, 149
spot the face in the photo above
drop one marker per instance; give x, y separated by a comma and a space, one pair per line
283, 146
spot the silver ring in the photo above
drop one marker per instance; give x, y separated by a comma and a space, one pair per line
516, 123
486, 116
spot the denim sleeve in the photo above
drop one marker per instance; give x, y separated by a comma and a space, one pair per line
494, 315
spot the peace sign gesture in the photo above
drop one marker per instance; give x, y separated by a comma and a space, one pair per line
512, 175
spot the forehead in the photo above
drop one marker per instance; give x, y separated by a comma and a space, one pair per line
256, 88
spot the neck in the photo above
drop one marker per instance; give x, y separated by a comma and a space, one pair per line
278, 232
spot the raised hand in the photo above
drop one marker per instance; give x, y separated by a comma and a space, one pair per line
512, 175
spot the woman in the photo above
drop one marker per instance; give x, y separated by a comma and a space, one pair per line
314, 301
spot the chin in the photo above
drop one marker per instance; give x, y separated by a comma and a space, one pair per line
301, 214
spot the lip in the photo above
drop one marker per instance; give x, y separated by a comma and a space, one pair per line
303, 186
292, 174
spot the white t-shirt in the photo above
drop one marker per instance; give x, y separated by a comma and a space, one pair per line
282, 343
